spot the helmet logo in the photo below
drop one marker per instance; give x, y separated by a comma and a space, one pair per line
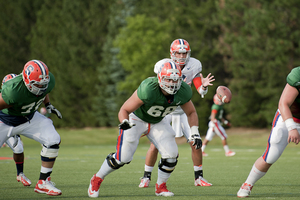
28, 70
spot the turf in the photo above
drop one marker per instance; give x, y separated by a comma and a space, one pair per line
83, 151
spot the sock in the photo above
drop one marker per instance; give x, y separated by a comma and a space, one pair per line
254, 175
19, 166
148, 168
203, 147
162, 177
226, 148
104, 170
198, 171
45, 173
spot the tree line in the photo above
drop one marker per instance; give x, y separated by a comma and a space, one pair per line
99, 51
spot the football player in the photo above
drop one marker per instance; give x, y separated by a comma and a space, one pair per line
285, 129
180, 53
143, 113
19, 100
16, 146
215, 127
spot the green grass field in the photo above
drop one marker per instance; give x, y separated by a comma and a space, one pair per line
83, 151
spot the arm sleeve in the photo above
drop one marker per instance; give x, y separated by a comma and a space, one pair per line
197, 83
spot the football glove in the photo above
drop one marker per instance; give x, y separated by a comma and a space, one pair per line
126, 124
51, 109
196, 139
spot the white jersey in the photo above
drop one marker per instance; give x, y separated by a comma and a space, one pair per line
189, 72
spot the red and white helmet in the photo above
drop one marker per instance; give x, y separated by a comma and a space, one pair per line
36, 76
180, 46
170, 77
8, 77
217, 100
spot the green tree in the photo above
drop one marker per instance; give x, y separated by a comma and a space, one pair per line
17, 19
260, 45
68, 37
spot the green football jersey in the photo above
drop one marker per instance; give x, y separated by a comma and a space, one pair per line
156, 105
15, 93
220, 110
293, 79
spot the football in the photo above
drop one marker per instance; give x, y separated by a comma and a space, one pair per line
224, 94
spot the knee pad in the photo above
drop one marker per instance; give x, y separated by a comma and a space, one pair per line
167, 164
49, 153
18, 145
112, 162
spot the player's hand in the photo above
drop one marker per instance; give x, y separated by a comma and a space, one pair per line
51, 109
294, 136
126, 124
196, 139
207, 80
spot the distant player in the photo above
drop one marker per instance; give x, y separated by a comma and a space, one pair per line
215, 127
285, 129
16, 146
180, 53
19, 100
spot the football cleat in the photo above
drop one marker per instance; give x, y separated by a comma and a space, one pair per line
161, 190
95, 183
204, 154
200, 181
21, 177
245, 190
230, 153
47, 187
144, 182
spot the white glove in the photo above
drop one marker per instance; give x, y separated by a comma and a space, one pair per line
126, 124
51, 109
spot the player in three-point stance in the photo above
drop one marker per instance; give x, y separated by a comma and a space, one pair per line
143, 113
285, 129
19, 100
180, 53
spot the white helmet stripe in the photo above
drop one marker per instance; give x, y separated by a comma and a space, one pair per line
181, 41
173, 65
41, 66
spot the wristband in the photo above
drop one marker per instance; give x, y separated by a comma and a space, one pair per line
290, 124
194, 130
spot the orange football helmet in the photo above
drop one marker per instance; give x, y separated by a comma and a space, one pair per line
170, 77
180, 46
36, 76
8, 77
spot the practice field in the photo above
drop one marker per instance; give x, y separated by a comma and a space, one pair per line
83, 151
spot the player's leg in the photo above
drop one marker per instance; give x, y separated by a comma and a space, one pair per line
16, 146
151, 158
277, 142
196, 154
127, 143
41, 129
209, 136
163, 137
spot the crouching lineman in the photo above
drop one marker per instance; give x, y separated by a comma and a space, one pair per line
16, 146
19, 99
143, 113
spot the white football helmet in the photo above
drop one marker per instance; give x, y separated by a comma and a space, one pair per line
217, 100
170, 77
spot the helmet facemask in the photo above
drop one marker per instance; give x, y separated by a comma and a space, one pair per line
170, 78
